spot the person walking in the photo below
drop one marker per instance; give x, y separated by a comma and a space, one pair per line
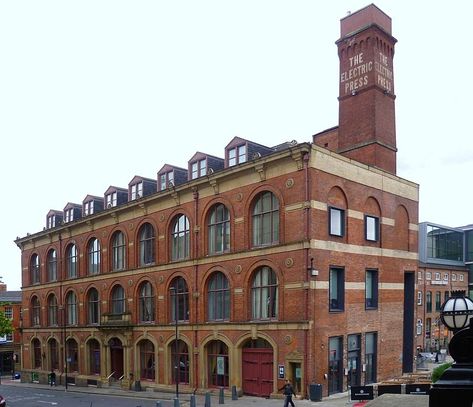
288, 391
52, 378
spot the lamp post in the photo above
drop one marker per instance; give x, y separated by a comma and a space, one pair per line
455, 385
176, 347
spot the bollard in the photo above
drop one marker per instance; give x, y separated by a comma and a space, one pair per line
158, 404
234, 393
192, 402
207, 399
176, 402
221, 399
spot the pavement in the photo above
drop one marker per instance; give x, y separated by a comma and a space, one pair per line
335, 400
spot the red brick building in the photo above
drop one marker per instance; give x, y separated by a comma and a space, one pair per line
296, 260
10, 305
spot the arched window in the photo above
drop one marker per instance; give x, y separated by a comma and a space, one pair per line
94, 357
52, 310
71, 261
52, 265
219, 229
181, 359
34, 269
147, 361
53, 354
179, 297
93, 254
180, 238
72, 354
146, 302
266, 220
118, 300
218, 298
217, 356
36, 345
71, 308
264, 294
35, 311
93, 307
146, 245
118, 251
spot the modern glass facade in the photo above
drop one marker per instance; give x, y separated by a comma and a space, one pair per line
446, 244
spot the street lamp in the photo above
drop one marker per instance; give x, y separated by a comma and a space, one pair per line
455, 385
176, 347
456, 311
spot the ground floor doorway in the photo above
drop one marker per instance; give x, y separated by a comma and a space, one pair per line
116, 358
257, 368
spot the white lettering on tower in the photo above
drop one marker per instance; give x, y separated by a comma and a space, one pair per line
357, 75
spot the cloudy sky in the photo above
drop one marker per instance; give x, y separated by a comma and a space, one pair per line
93, 93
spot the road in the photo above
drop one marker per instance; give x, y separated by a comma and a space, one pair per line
30, 397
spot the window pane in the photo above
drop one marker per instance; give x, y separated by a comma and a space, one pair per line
336, 219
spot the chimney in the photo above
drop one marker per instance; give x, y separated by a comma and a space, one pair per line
367, 131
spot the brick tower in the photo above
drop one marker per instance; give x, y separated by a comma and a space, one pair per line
367, 130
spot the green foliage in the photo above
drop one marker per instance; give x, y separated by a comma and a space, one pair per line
437, 372
6, 326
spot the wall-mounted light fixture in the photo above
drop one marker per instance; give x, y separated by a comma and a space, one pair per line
312, 271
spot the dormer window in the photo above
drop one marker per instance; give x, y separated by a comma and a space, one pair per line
199, 168
51, 221
111, 200
69, 215
89, 208
137, 190
165, 179
237, 155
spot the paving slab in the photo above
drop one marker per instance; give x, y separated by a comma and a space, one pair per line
397, 400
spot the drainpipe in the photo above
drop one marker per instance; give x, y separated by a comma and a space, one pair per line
196, 276
308, 335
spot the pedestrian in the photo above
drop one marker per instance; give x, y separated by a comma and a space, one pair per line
52, 378
288, 391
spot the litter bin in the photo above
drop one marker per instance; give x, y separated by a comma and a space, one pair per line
315, 392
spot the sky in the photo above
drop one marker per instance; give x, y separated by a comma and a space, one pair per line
93, 93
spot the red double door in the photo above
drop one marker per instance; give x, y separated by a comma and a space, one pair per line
257, 371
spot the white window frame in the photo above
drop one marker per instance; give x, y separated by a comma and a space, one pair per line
371, 228
137, 191
111, 200
336, 221
419, 297
419, 327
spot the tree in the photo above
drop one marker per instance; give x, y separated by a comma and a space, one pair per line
6, 326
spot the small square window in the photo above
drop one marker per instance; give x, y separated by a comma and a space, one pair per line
445, 276
454, 277
428, 275
461, 277
437, 276
336, 222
